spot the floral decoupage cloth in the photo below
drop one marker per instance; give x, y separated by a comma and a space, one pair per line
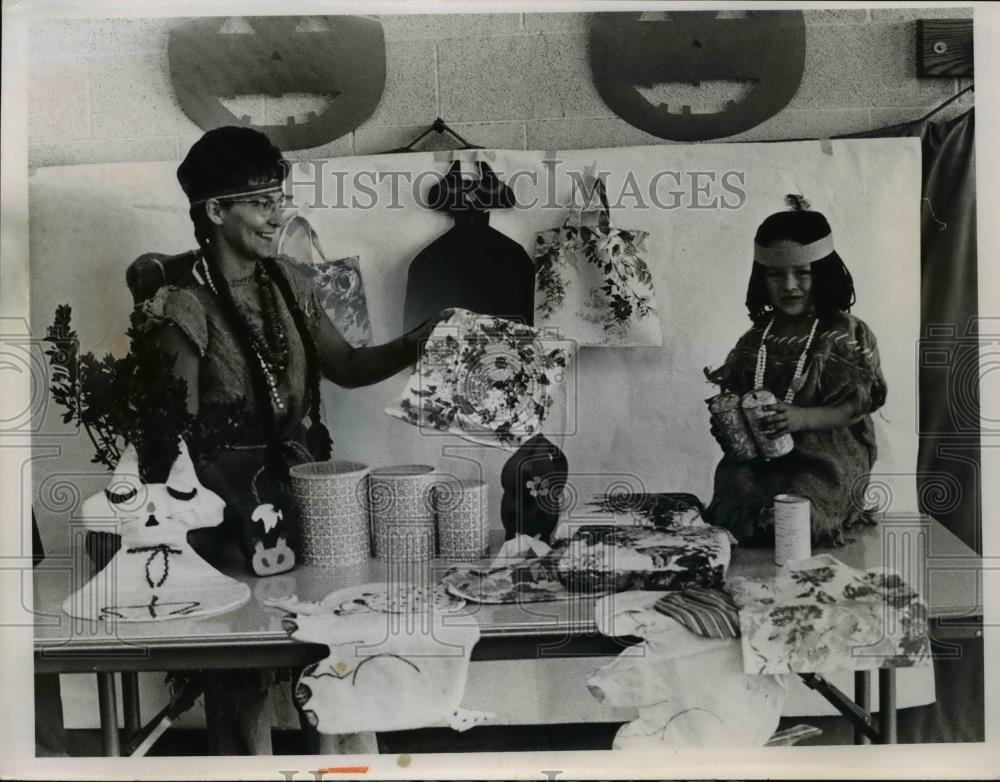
595, 559
398, 659
690, 691
592, 283
486, 379
821, 615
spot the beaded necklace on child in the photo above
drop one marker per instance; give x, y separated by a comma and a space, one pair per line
758, 375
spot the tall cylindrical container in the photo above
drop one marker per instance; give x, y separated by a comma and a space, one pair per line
792, 529
753, 404
332, 498
462, 523
732, 426
402, 512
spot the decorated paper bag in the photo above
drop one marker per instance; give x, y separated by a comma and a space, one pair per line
593, 285
486, 379
338, 282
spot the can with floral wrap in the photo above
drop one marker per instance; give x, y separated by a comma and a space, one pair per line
754, 404
737, 438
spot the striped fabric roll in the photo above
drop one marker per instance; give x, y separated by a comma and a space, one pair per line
708, 612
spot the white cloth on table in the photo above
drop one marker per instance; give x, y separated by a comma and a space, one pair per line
690, 691
395, 663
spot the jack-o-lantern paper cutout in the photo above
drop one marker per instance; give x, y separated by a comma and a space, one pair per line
729, 72
155, 574
339, 59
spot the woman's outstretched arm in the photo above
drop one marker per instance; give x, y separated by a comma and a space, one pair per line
352, 367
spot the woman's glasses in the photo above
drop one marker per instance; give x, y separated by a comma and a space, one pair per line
262, 204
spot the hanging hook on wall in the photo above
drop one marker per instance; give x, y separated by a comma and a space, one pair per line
438, 126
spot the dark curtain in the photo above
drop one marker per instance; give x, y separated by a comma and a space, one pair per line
948, 458
948, 463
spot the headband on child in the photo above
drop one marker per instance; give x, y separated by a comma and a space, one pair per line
783, 257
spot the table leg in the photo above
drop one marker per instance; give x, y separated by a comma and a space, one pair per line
887, 705
862, 697
130, 703
108, 705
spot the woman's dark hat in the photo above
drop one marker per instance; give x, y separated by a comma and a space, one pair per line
231, 162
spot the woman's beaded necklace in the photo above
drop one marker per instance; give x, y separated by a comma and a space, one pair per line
270, 373
758, 376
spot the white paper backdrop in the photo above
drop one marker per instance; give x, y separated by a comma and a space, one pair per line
633, 414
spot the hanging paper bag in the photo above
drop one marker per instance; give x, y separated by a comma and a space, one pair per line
338, 282
592, 283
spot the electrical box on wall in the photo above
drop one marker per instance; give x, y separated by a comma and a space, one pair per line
944, 47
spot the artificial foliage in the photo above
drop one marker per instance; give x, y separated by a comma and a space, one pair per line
133, 400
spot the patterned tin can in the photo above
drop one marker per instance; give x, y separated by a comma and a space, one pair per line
792, 529
332, 498
732, 426
402, 511
753, 405
463, 524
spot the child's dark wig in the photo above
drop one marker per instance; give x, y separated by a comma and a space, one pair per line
832, 284
226, 160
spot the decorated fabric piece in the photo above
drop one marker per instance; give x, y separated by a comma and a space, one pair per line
592, 283
821, 615
488, 380
605, 557
398, 659
155, 575
338, 282
652, 510
708, 612
598, 559
690, 691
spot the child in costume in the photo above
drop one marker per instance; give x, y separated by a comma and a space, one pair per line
822, 364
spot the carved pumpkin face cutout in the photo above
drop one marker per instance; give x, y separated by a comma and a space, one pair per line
696, 75
327, 71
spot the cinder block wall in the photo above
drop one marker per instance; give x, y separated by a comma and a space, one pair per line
100, 88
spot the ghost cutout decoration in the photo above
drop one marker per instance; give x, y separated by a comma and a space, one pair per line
156, 574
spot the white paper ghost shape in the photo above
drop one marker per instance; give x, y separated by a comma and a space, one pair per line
156, 574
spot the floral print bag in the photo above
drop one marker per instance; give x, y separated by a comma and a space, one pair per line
338, 282
592, 284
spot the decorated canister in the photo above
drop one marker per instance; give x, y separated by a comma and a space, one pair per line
753, 405
732, 426
792, 530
